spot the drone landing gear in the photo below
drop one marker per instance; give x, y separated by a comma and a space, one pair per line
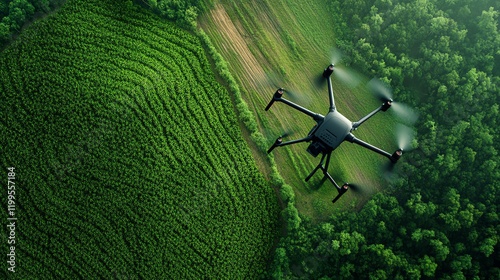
327, 175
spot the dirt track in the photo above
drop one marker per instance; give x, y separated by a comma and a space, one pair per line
234, 42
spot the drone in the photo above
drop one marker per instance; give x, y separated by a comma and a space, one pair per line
330, 131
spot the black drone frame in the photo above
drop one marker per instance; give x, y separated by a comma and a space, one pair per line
329, 132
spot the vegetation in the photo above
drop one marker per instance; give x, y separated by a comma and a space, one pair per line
291, 42
441, 218
183, 12
130, 164
286, 194
15, 13
129, 160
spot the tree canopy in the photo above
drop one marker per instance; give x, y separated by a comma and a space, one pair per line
439, 219
15, 13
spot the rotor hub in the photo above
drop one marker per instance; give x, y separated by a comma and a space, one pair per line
386, 105
396, 155
328, 71
279, 92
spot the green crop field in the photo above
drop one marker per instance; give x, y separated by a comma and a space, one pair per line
128, 159
290, 43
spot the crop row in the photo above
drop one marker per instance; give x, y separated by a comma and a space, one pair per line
132, 160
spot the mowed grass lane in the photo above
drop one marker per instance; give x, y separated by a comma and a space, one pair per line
288, 44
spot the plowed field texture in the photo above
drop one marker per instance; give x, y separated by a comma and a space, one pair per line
129, 160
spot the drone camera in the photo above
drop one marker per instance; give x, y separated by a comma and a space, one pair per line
328, 71
386, 105
315, 148
397, 155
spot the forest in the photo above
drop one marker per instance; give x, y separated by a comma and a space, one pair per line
439, 219
15, 13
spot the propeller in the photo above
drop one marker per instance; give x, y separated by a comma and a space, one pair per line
341, 71
286, 133
270, 133
273, 82
347, 75
384, 93
353, 187
336, 56
404, 138
293, 95
357, 188
279, 140
389, 171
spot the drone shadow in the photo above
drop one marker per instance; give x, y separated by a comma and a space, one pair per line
316, 183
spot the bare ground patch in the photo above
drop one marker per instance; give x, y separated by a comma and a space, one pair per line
233, 41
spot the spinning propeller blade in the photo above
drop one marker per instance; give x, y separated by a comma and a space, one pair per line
336, 56
273, 82
347, 75
388, 171
344, 73
384, 93
292, 94
341, 71
279, 140
405, 113
404, 137
357, 188
271, 134
287, 133
380, 90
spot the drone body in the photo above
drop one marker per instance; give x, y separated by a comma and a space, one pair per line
330, 131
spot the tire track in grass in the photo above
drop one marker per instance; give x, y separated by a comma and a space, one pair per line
235, 42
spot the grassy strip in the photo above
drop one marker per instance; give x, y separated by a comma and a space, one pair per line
248, 118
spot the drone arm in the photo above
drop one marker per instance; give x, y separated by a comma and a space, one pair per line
270, 104
383, 108
326, 74
330, 93
310, 113
351, 138
358, 123
279, 143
